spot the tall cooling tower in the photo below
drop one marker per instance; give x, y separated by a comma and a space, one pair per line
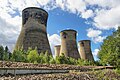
33, 33
57, 50
85, 50
68, 44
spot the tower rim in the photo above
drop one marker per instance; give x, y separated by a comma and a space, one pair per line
35, 8
57, 46
68, 30
83, 40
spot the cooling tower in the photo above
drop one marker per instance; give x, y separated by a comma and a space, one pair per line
57, 50
33, 33
68, 44
85, 50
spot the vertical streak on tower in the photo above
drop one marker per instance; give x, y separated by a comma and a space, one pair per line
33, 33
68, 44
85, 50
57, 50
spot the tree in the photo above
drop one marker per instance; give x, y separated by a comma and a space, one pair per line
33, 56
1, 52
19, 56
110, 50
71, 61
6, 54
61, 59
41, 58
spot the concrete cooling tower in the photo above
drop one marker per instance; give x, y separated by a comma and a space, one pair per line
68, 44
85, 50
57, 50
33, 33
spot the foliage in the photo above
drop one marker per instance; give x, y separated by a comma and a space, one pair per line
32, 56
18, 56
110, 50
61, 59
4, 53
1, 52
85, 62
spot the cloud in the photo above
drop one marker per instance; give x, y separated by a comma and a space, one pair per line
8, 34
95, 53
108, 19
87, 14
95, 35
54, 40
76, 6
103, 3
99, 39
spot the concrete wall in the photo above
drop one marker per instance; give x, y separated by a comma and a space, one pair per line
85, 50
29, 71
57, 50
33, 33
68, 44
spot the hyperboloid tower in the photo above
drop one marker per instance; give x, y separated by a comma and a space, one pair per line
57, 50
85, 50
33, 33
68, 44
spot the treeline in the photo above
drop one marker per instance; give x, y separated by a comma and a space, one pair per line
109, 53
32, 56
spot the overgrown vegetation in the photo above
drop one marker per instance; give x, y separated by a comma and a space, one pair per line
32, 56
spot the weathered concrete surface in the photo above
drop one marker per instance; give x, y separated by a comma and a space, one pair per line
68, 44
33, 33
29, 71
57, 50
85, 50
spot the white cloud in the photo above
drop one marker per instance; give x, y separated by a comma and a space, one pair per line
76, 6
61, 4
87, 14
8, 34
95, 54
42, 2
93, 33
99, 39
108, 19
103, 3
54, 40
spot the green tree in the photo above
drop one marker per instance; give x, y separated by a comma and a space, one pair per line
41, 58
71, 61
45, 58
1, 52
110, 50
61, 59
6, 54
52, 61
19, 56
33, 56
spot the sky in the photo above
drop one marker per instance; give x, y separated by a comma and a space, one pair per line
92, 19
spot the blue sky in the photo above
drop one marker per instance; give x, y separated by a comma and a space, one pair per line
92, 19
